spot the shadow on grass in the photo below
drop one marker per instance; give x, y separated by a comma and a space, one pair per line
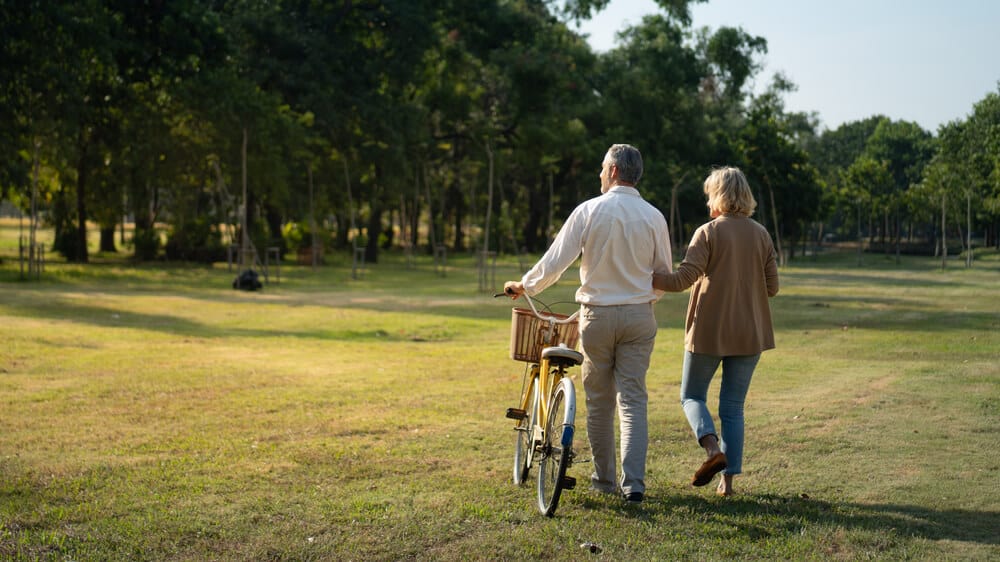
87, 315
901, 278
397, 289
762, 516
793, 313
808, 312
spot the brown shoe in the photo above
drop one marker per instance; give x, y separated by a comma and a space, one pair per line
709, 469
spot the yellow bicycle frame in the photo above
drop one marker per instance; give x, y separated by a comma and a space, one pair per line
546, 381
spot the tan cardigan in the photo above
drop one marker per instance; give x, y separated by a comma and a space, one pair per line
731, 263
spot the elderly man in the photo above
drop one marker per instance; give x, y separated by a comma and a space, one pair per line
623, 239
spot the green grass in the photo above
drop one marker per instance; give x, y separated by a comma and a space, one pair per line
153, 413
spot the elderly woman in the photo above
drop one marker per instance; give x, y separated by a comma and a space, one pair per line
730, 265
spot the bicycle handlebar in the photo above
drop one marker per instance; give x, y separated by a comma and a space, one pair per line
545, 317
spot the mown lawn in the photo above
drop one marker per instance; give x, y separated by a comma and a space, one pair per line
153, 413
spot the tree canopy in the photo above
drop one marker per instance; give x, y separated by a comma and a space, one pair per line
416, 123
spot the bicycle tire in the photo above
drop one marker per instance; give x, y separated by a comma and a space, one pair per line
523, 432
557, 447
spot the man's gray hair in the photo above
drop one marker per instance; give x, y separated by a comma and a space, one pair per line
628, 160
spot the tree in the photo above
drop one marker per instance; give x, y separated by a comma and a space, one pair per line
980, 148
862, 182
788, 185
649, 89
832, 153
905, 149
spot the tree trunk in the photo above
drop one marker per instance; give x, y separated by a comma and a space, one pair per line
861, 239
313, 235
274, 219
374, 219
432, 219
458, 208
350, 207
245, 218
414, 216
81, 205
374, 232
777, 233
145, 241
489, 202
390, 233
898, 234
108, 239
414, 222
672, 223
549, 233
884, 235
344, 229
533, 224
944, 235
968, 229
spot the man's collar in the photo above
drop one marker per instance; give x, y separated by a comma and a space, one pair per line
623, 189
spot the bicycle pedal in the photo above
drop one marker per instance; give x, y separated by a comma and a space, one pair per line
569, 482
516, 414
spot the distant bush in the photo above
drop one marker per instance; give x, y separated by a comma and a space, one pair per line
295, 236
147, 244
195, 241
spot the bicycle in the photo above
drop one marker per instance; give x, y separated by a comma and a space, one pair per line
545, 419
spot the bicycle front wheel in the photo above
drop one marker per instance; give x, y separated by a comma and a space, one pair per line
524, 435
557, 447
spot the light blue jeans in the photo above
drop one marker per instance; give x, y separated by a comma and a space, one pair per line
737, 370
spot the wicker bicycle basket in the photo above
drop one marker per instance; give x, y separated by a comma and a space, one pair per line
529, 334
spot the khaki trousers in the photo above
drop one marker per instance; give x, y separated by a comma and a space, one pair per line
617, 343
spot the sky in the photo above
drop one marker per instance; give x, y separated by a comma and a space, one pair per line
927, 61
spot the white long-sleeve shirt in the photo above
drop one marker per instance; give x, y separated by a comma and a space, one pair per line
623, 239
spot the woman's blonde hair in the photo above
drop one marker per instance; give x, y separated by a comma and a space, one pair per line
729, 193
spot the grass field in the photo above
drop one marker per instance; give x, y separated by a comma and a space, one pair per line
153, 413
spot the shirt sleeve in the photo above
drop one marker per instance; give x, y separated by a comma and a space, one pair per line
663, 261
693, 266
771, 270
560, 255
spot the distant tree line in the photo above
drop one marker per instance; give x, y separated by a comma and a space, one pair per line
470, 124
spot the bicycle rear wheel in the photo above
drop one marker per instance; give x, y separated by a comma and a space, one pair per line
523, 433
557, 447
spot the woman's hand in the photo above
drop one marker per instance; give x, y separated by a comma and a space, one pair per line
660, 281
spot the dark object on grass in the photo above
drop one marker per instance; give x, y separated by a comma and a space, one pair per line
247, 281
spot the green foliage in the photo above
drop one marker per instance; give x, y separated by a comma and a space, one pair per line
197, 241
731, 53
447, 111
787, 185
146, 244
295, 236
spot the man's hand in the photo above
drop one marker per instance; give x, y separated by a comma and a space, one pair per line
514, 289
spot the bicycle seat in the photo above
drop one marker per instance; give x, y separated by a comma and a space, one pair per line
562, 355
